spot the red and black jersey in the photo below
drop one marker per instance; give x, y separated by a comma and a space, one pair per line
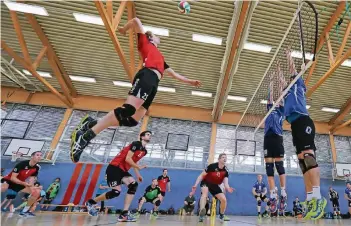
162, 182
215, 175
152, 57
24, 171
120, 159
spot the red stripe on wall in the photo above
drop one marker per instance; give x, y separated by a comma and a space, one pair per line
93, 182
82, 183
72, 184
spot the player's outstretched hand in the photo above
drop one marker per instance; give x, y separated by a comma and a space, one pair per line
195, 83
230, 190
193, 188
143, 166
122, 31
140, 179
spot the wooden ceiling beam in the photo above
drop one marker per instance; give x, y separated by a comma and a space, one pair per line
329, 72
111, 31
219, 105
338, 117
28, 66
330, 50
339, 10
131, 15
19, 33
45, 41
335, 128
344, 41
118, 15
39, 58
109, 9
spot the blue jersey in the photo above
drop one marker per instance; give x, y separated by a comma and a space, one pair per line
260, 187
348, 192
295, 101
274, 122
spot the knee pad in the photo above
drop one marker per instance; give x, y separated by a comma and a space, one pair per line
112, 194
124, 115
259, 203
302, 166
310, 161
270, 169
158, 203
280, 167
268, 203
132, 188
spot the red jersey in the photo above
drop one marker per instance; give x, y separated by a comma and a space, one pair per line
120, 159
24, 171
152, 57
215, 175
163, 181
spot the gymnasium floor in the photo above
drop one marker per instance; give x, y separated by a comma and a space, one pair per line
48, 219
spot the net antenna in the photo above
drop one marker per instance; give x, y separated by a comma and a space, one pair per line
299, 42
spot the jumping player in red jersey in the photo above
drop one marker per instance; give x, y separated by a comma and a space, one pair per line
163, 181
117, 174
214, 175
140, 96
16, 181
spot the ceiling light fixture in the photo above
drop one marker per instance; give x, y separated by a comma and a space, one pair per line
238, 98
207, 39
123, 84
41, 73
298, 54
25, 8
333, 110
257, 47
201, 94
346, 63
166, 89
82, 79
88, 18
156, 30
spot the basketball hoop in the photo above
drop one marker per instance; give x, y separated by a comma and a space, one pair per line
15, 156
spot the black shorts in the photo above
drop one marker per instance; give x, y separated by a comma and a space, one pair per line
273, 146
303, 133
350, 204
163, 193
148, 200
145, 85
13, 186
214, 189
335, 202
262, 197
115, 175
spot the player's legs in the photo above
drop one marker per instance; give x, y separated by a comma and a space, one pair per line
223, 204
203, 199
259, 203
349, 202
141, 203
4, 187
132, 188
34, 195
279, 165
157, 203
270, 174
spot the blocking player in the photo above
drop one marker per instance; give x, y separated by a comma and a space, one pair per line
140, 96
347, 195
117, 174
16, 181
163, 182
259, 190
214, 175
303, 133
334, 198
273, 141
152, 195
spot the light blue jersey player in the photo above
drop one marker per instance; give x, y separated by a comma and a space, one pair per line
259, 190
347, 195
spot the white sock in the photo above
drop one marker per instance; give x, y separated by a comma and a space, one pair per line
272, 194
316, 192
309, 196
283, 192
25, 209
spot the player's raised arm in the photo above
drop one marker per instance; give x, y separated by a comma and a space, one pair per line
134, 24
169, 71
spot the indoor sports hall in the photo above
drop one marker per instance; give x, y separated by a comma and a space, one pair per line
105, 104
